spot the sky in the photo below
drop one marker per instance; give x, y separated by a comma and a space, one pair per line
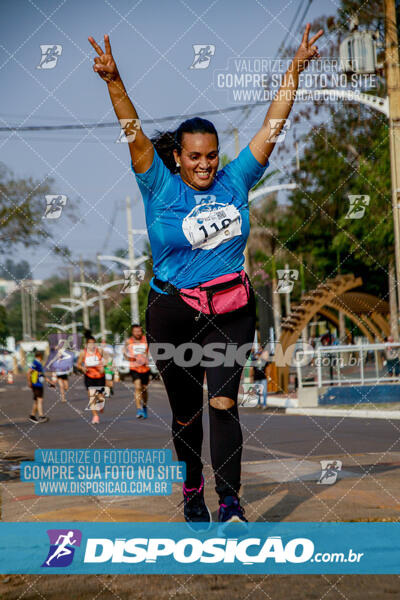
152, 43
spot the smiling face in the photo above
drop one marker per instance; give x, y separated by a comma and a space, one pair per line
198, 159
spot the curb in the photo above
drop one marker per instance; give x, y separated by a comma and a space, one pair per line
272, 402
356, 414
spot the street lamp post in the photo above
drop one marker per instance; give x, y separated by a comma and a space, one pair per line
100, 289
86, 321
268, 189
70, 309
62, 327
84, 304
131, 263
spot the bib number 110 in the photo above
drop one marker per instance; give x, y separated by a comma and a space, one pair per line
224, 223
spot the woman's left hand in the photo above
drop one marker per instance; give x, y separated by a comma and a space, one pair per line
307, 51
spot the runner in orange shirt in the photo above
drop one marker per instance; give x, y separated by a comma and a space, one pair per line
91, 363
136, 351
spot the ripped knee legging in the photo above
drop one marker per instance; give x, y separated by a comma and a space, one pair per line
169, 320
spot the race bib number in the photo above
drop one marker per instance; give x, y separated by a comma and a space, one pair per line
210, 224
134, 350
92, 361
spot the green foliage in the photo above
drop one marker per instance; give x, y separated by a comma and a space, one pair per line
15, 271
14, 317
53, 289
22, 206
119, 318
348, 155
4, 330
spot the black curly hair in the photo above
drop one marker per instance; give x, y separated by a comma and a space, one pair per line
165, 142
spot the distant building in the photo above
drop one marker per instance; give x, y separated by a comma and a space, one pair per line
9, 286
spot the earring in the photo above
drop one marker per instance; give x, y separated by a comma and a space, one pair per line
178, 164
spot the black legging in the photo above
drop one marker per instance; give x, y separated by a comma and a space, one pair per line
170, 320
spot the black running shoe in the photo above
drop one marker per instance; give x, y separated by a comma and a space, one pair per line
195, 509
231, 517
43, 419
33, 419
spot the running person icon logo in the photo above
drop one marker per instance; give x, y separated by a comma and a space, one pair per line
129, 129
54, 206
97, 397
358, 205
202, 55
276, 125
286, 280
50, 55
252, 395
330, 470
62, 547
133, 279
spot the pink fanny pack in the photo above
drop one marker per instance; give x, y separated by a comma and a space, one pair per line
218, 296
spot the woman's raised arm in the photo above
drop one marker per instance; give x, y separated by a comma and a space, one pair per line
140, 147
264, 141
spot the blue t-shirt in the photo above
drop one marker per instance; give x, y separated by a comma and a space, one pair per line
37, 376
196, 236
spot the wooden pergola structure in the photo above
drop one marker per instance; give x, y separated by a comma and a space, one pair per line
368, 312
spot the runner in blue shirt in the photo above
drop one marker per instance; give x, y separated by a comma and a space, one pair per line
36, 379
198, 223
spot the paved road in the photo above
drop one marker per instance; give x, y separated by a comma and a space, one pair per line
266, 435
280, 459
279, 473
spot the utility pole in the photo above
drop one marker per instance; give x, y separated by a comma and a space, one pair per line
236, 134
304, 333
100, 289
134, 297
287, 296
28, 312
23, 311
33, 302
393, 89
86, 322
276, 302
101, 302
342, 324
394, 326
71, 286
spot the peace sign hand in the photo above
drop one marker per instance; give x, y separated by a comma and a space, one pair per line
307, 51
104, 63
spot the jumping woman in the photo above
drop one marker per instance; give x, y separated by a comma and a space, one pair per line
198, 224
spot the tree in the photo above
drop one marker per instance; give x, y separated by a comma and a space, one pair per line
349, 156
345, 153
4, 330
264, 240
119, 318
15, 271
22, 207
22, 204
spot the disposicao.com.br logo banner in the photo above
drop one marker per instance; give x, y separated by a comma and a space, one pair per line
153, 548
